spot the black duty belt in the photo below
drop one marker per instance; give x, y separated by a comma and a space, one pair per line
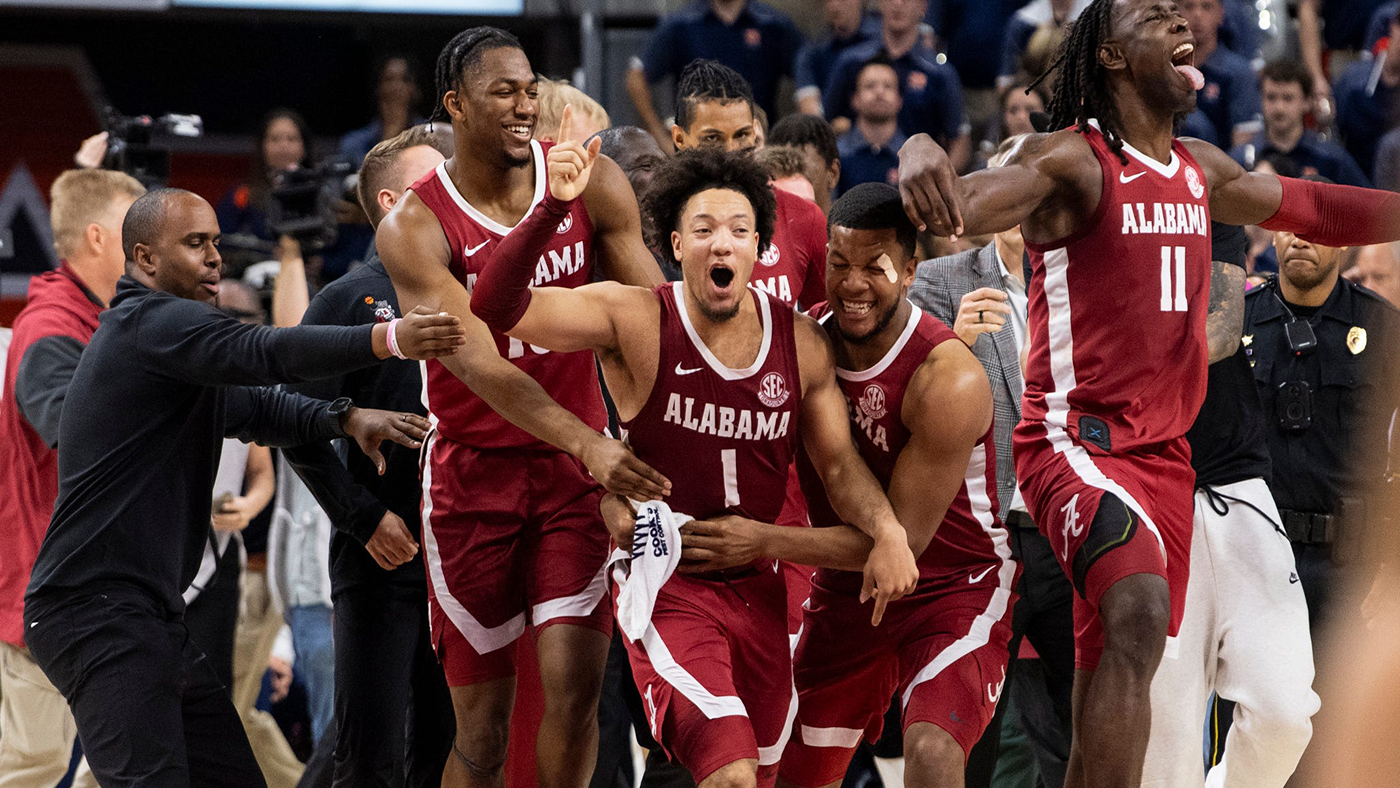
1019, 519
1309, 527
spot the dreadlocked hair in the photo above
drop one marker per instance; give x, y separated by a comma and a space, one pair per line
1081, 90
463, 52
708, 80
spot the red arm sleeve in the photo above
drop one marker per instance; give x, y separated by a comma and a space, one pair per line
502, 292
1334, 215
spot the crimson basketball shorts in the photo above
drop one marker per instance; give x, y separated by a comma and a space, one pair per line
715, 673
511, 537
941, 653
1066, 488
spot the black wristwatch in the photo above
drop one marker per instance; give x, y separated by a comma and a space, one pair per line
336, 413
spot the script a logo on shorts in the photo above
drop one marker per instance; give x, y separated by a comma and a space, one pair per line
567, 224
1193, 182
872, 402
1072, 526
994, 691
770, 255
772, 390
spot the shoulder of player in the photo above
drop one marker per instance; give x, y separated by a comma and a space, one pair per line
1215, 162
814, 353
1063, 156
413, 225
948, 390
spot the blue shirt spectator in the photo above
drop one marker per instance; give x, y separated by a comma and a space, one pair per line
930, 91
1228, 107
849, 26
760, 43
396, 95
1379, 26
970, 31
1312, 154
870, 150
1344, 22
1019, 31
1368, 100
1240, 32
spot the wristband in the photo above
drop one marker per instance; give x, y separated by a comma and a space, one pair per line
393, 339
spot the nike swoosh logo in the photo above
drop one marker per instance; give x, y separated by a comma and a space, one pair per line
471, 250
1124, 177
683, 371
972, 580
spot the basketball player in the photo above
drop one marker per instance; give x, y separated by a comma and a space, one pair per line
1116, 216
714, 382
921, 413
511, 531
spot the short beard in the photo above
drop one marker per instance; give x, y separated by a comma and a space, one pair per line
716, 316
880, 326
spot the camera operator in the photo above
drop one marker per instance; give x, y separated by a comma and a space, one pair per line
284, 144
1320, 347
386, 674
164, 379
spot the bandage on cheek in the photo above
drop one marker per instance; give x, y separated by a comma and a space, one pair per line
888, 264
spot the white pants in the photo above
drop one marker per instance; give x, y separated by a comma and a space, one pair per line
1245, 636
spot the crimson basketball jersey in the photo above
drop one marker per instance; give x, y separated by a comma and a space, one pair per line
793, 267
724, 437
1117, 311
571, 379
970, 532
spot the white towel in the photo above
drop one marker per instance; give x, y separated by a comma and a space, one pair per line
656, 551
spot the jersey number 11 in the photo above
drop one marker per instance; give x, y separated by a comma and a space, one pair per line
1170, 303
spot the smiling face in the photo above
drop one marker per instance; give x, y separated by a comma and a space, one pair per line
867, 275
494, 108
183, 260
716, 245
1152, 47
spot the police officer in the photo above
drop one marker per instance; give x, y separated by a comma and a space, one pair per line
1321, 348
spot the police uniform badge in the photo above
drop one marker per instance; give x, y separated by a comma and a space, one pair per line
1356, 340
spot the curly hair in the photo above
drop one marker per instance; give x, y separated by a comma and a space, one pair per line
1081, 90
693, 171
464, 52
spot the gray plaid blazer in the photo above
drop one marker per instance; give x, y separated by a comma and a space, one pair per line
938, 288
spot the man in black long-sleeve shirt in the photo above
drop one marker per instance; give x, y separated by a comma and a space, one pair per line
164, 379
385, 667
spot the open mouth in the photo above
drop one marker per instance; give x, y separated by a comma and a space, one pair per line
856, 308
1182, 59
211, 287
721, 277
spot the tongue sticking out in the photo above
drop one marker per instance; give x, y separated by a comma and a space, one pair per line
1198, 80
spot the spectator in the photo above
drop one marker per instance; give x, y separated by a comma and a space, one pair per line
1287, 95
1047, 18
637, 156
1368, 99
1388, 161
1331, 34
760, 127
815, 140
850, 25
1227, 108
49, 336
589, 116
1379, 26
1018, 103
1240, 31
786, 170
1377, 268
397, 98
930, 92
752, 38
970, 32
283, 144
870, 150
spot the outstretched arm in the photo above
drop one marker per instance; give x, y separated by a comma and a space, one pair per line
1324, 213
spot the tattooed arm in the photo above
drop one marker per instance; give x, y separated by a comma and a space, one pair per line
1225, 318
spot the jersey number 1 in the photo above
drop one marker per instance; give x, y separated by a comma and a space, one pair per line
729, 460
1178, 303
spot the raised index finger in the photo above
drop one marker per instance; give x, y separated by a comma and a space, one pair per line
566, 125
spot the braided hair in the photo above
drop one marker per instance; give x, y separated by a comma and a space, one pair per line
1081, 91
464, 52
708, 80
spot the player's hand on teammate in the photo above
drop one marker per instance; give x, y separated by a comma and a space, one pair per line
890, 573
569, 163
929, 186
615, 467
620, 520
391, 545
983, 311
423, 334
370, 427
722, 543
